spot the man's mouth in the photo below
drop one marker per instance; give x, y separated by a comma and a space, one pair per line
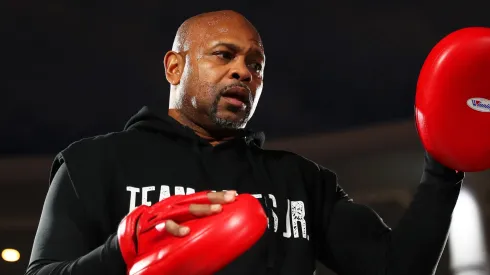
235, 102
237, 96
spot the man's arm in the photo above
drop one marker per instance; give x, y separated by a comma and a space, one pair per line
358, 242
65, 243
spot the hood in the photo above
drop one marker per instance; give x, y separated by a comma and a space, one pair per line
155, 120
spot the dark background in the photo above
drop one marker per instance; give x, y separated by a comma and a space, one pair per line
73, 69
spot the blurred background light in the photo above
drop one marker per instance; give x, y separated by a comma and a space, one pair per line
10, 255
466, 238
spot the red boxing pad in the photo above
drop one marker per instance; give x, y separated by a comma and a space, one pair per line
141, 223
452, 104
213, 242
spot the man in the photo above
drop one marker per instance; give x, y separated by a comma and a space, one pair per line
216, 70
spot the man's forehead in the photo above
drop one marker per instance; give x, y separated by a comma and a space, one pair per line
225, 28
204, 29
231, 37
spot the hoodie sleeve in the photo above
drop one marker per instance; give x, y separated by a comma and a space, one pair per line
65, 241
357, 241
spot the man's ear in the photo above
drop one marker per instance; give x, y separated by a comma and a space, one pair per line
174, 67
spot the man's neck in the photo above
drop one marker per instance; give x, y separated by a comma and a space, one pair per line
212, 138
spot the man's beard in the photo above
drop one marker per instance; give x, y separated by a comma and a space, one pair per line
228, 124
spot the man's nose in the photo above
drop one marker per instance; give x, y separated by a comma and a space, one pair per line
241, 72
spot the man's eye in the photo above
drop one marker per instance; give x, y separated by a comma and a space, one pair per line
224, 55
256, 66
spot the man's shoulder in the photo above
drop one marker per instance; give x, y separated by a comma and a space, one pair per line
98, 142
103, 145
94, 151
289, 158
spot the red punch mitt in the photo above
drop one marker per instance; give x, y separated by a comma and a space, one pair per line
452, 104
213, 242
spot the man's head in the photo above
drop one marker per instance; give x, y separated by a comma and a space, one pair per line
216, 70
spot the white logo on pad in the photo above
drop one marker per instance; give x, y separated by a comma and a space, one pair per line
479, 104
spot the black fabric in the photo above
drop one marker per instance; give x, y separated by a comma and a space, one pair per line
96, 181
64, 234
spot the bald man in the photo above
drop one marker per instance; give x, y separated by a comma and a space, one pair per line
215, 70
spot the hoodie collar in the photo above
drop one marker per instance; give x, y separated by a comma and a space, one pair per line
155, 120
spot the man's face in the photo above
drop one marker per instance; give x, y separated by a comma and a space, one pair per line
223, 74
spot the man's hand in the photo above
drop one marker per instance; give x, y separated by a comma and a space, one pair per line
202, 210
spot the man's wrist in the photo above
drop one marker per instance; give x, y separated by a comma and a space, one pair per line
113, 256
439, 170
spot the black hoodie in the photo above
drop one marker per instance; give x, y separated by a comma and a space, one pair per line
96, 181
